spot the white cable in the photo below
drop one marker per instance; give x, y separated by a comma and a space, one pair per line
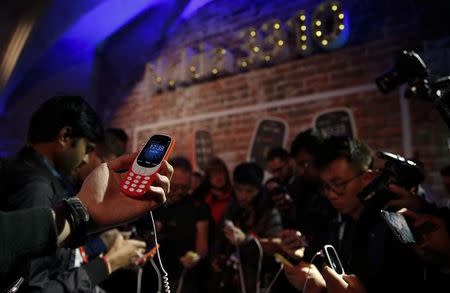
241, 273
158, 274
258, 273
139, 280
309, 269
165, 276
181, 281
275, 278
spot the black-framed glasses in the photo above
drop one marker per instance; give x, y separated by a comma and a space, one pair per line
339, 188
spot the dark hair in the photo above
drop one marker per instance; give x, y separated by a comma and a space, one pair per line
181, 163
112, 143
248, 173
310, 141
216, 163
64, 111
354, 151
119, 133
277, 152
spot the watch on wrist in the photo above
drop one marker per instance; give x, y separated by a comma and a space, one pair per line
78, 217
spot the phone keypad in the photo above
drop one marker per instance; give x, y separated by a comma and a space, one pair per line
135, 183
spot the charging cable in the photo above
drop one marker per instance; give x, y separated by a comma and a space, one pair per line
158, 274
319, 253
181, 281
165, 277
275, 278
258, 273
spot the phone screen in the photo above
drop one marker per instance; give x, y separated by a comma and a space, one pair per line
154, 150
397, 223
333, 259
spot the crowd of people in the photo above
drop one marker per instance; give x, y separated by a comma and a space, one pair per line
220, 230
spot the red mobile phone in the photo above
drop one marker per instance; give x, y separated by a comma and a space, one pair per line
146, 164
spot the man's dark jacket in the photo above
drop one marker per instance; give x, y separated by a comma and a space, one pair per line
29, 181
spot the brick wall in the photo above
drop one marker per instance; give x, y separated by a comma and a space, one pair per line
230, 107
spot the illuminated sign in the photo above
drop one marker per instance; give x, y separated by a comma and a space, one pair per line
326, 28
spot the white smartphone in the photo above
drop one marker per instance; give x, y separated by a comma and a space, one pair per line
146, 164
332, 259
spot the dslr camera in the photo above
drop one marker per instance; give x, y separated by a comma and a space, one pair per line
397, 170
409, 68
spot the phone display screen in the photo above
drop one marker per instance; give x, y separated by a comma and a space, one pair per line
397, 223
153, 152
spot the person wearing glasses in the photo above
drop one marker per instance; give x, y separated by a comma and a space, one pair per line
365, 245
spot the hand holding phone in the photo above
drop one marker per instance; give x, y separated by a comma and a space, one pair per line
397, 223
146, 164
332, 258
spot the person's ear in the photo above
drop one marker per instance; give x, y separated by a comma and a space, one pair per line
65, 136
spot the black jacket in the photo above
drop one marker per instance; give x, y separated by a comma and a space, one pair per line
16, 245
30, 181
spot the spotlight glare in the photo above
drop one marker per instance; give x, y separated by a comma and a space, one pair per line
267, 58
214, 71
256, 49
341, 16
303, 27
280, 43
324, 42
303, 38
304, 47
302, 17
318, 23
253, 34
341, 27
276, 26
334, 7
318, 33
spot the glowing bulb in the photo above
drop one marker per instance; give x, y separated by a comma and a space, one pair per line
171, 82
244, 64
341, 27
255, 49
280, 43
324, 42
223, 51
192, 68
253, 34
267, 58
214, 71
303, 38
302, 17
341, 16
158, 79
197, 75
303, 27
318, 23
318, 33
334, 7
304, 47
276, 26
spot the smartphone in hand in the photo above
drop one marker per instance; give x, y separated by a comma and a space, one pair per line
332, 259
397, 223
146, 164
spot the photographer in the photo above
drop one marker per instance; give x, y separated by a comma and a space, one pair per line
366, 247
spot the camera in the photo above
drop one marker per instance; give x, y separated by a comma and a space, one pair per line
408, 68
411, 69
397, 170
